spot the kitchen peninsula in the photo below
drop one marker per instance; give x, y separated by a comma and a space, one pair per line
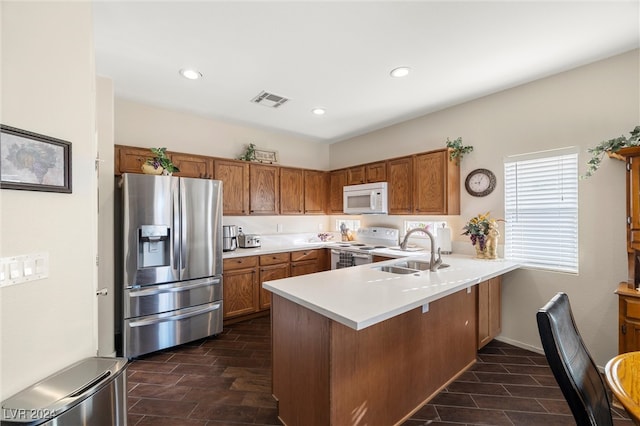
360, 346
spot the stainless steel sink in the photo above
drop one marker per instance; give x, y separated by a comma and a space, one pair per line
396, 270
420, 265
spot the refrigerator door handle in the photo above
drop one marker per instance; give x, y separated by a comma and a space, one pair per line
184, 225
173, 288
176, 231
143, 322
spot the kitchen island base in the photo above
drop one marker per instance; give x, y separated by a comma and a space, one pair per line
325, 373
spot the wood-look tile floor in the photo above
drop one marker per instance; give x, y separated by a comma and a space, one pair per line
226, 381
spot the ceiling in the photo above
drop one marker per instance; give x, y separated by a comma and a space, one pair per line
338, 55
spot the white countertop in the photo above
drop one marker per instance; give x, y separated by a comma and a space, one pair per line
361, 296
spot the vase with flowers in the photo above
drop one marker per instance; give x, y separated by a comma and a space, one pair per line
483, 232
159, 164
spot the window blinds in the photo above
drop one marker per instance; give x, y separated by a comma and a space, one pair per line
541, 211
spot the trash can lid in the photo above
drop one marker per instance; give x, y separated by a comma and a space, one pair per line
67, 387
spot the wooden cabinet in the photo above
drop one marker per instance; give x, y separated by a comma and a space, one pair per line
376, 172
436, 184
235, 186
378, 258
356, 175
130, 159
305, 262
628, 319
489, 308
337, 180
195, 166
400, 177
272, 267
240, 286
315, 192
264, 189
292, 195
633, 202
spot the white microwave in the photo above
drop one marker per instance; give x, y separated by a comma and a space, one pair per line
368, 198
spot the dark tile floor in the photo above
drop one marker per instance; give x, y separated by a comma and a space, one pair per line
226, 381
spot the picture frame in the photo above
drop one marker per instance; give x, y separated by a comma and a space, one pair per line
34, 162
264, 156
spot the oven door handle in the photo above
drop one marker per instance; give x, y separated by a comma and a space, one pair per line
361, 256
334, 251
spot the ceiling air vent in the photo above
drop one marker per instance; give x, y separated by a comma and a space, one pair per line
269, 99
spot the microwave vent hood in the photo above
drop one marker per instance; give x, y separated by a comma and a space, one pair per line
368, 198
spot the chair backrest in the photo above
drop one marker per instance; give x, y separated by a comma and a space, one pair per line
576, 373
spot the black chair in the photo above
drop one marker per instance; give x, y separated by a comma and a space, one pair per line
576, 373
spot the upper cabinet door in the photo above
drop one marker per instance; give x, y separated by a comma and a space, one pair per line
130, 159
376, 172
436, 184
264, 189
291, 191
195, 166
315, 192
400, 177
235, 186
337, 181
356, 175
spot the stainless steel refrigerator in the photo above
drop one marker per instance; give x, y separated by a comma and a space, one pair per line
168, 262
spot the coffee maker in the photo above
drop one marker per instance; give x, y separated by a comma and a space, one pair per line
229, 241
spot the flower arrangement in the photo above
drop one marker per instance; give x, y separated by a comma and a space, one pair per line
160, 159
479, 228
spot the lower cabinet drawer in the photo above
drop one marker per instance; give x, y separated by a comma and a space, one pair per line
632, 308
299, 255
147, 334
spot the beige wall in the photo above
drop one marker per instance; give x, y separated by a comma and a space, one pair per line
147, 126
48, 85
577, 108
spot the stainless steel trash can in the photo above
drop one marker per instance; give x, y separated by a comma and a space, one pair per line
90, 392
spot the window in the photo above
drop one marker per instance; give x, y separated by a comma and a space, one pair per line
541, 210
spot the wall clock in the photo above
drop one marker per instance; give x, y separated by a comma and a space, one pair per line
480, 182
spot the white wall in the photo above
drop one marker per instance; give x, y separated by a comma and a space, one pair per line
104, 121
147, 126
48, 87
577, 108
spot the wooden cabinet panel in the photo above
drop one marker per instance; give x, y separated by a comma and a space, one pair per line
633, 203
356, 175
436, 182
235, 186
291, 191
628, 319
315, 192
195, 166
270, 273
239, 263
304, 268
376, 172
400, 177
337, 179
240, 292
489, 310
297, 256
130, 159
264, 189
378, 258
272, 259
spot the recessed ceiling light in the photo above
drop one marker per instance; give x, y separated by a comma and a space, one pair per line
318, 111
399, 72
191, 74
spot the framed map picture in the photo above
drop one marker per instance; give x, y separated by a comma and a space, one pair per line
34, 162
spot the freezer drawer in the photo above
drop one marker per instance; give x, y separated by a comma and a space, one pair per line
89, 392
150, 300
154, 332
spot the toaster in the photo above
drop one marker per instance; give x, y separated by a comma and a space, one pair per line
248, 240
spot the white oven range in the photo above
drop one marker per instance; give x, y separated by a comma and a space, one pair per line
358, 252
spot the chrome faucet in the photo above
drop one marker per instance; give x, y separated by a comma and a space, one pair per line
434, 263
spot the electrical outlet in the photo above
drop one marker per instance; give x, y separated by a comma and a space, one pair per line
279, 227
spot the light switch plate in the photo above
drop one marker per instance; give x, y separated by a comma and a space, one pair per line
19, 269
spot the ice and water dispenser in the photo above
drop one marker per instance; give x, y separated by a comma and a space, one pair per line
154, 246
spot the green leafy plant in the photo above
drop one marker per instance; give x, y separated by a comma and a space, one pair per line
160, 159
611, 145
249, 153
457, 149
478, 228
